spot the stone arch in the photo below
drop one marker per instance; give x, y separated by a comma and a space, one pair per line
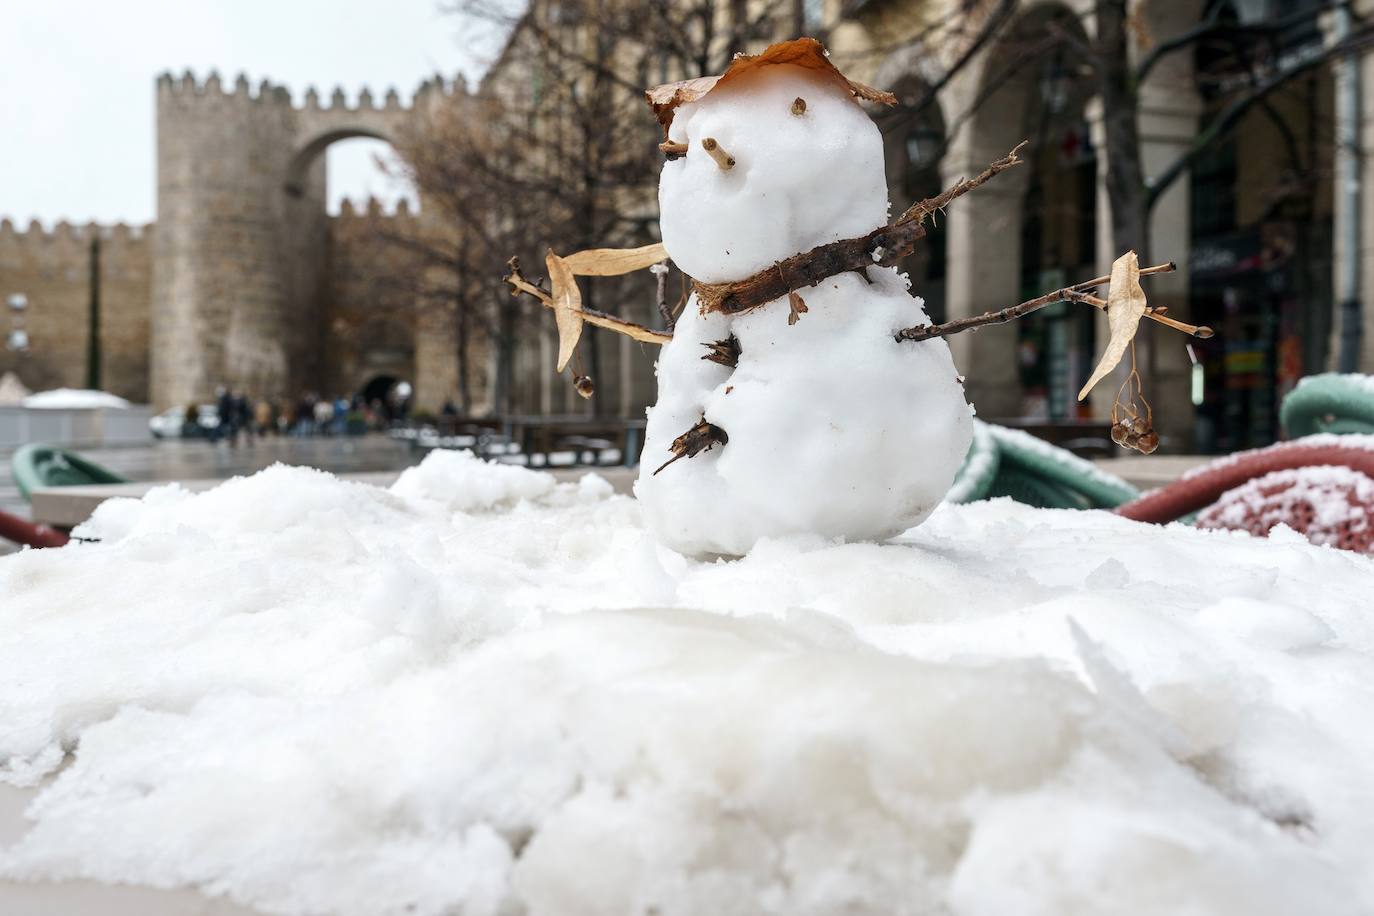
375, 386
389, 353
241, 259
306, 155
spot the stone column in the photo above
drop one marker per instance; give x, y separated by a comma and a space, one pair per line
1361, 198
983, 232
436, 361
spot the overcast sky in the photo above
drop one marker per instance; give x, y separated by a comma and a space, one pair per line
77, 78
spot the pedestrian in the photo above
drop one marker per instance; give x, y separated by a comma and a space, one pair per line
305, 416
224, 410
340, 415
243, 416
262, 417
190, 424
324, 416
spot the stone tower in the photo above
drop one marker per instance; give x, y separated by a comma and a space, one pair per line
239, 250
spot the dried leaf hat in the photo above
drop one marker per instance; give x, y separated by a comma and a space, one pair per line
807, 53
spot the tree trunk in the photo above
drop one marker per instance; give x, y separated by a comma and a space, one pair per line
1120, 105
461, 329
1125, 182
505, 360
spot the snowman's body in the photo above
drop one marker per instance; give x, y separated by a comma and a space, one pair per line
834, 427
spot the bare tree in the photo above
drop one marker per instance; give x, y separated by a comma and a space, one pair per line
553, 150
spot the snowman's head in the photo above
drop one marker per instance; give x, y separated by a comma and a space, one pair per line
804, 173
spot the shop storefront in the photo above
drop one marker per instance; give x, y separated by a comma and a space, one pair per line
1260, 289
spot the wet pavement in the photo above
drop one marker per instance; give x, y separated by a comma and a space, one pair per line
197, 459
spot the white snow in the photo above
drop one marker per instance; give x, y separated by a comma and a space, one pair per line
324, 697
73, 399
834, 428
1362, 381
1331, 501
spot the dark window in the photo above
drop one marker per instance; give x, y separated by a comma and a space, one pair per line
1214, 190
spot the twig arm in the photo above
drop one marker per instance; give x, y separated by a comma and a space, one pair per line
1076, 293
882, 247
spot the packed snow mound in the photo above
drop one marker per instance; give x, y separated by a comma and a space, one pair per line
323, 697
74, 399
798, 181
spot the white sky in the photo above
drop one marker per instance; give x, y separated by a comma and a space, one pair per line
77, 78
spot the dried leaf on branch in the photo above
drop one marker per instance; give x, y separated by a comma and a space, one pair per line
614, 262
567, 307
518, 284
1075, 293
1125, 307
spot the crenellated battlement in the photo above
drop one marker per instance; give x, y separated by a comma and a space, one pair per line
187, 87
375, 209
64, 232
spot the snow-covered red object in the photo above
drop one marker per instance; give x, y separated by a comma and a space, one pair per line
21, 531
1204, 486
1331, 505
834, 428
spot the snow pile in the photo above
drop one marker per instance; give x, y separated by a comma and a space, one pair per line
461, 482
1330, 504
12, 390
73, 399
834, 428
322, 697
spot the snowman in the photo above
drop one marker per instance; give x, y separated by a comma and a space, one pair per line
818, 421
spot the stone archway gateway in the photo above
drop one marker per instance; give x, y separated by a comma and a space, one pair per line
239, 256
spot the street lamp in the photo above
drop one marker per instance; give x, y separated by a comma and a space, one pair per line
1056, 85
923, 144
18, 339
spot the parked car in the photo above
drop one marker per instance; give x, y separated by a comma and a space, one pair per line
171, 423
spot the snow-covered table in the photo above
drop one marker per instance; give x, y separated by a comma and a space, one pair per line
482, 690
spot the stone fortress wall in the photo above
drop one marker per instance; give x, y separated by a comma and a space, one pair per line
53, 268
232, 287
243, 234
